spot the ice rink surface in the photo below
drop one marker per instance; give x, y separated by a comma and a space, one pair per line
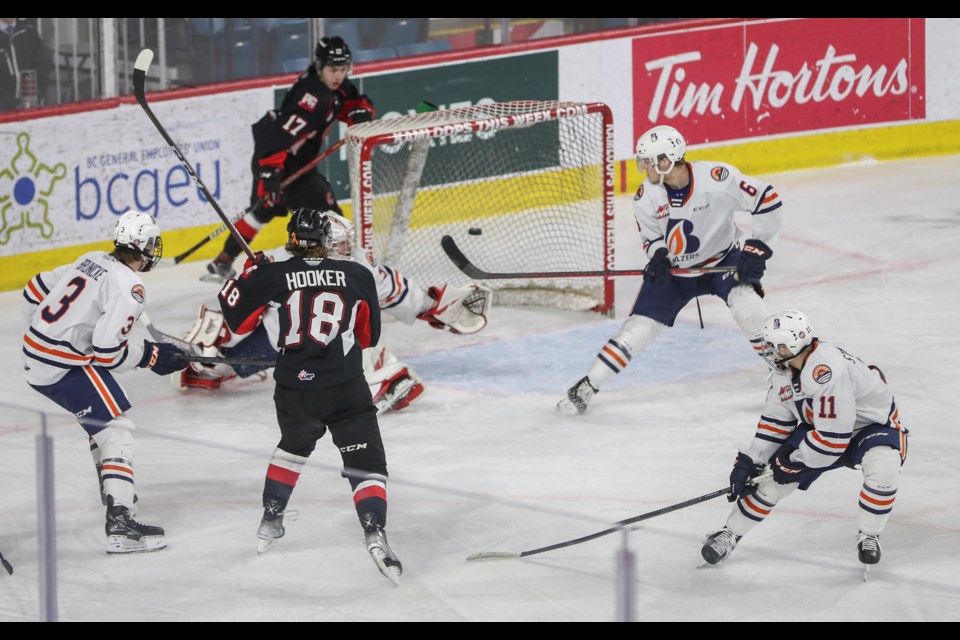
481, 462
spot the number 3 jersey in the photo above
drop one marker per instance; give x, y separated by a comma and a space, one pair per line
696, 223
81, 314
328, 311
835, 393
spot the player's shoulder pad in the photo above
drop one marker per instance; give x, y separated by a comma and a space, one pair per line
138, 292
311, 93
824, 364
720, 172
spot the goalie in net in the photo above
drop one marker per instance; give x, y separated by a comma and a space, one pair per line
393, 383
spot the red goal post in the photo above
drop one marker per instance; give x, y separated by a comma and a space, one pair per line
521, 186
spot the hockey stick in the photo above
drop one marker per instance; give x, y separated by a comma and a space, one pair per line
160, 336
463, 263
486, 555
252, 362
283, 185
139, 78
6, 564
190, 348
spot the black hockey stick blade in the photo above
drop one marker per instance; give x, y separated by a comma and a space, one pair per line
490, 555
139, 92
463, 263
250, 362
6, 564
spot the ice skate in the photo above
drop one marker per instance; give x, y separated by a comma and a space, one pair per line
126, 535
384, 557
271, 526
868, 548
578, 396
220, 270
719, 545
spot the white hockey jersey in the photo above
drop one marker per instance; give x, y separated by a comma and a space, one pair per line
837, 394
81, 314
699, 228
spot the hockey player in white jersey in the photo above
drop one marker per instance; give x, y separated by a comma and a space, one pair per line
685, 212
825, 409
77, 320
393, 383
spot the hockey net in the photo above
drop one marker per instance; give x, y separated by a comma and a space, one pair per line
521, 187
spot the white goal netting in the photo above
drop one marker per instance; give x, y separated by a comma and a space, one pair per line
520, 186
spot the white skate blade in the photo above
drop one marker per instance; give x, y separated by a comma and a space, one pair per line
392, 572
122, 544
266, 545
567, 408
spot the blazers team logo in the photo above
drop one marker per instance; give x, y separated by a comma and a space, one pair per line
822, 374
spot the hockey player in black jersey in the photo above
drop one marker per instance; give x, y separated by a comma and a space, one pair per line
329, 313
288, 138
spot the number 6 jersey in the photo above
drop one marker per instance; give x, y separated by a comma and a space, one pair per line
696, 223
329, 312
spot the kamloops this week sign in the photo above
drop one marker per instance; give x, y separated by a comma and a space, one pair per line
780, 77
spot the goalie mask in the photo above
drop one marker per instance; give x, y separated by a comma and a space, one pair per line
140, 233
660, 148
785, 334
341, 237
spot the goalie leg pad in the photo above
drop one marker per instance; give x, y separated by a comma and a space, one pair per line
394, 387
460, 310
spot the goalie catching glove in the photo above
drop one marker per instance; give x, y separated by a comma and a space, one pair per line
460, 310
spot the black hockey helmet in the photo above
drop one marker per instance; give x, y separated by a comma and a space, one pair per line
308, 228
332, 51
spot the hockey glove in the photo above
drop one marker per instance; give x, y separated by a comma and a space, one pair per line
657, 270
753, 261
162, 358
258, 258
786, 471
744, 470
269, 184
359, 115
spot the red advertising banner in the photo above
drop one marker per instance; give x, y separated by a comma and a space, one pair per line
765, 78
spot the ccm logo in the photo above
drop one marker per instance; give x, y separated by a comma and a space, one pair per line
754, 250
353, 447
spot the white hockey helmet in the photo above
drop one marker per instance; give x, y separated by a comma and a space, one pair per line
139, 231
341, 236
658, 143
785, 334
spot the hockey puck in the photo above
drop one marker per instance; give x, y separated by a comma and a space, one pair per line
475, 231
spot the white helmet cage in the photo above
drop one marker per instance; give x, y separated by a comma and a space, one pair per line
139, 231
789, 328
662, 141
341, 236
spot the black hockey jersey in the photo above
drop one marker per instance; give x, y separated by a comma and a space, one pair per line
298, 127
329, 313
